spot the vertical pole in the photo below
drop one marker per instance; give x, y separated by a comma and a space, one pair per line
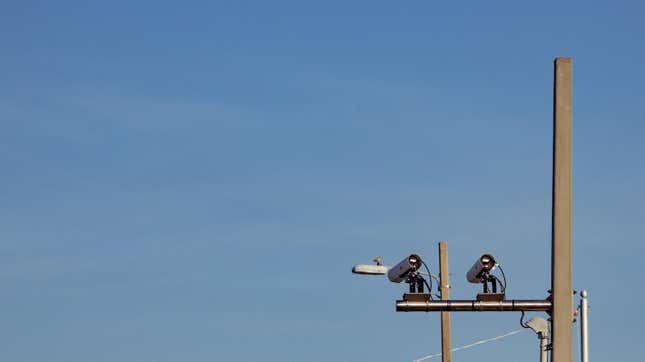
584, 341
561, 254
444, 285
543, 344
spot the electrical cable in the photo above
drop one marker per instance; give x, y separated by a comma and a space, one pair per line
472, 344
428, 270
501, 283
503, 275
429, 288
431, 275
522, 323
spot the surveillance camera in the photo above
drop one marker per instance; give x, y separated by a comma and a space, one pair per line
484, 264
400, 271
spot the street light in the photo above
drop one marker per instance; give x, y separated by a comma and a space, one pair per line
370, 269
541, 327
378, 269
405, 271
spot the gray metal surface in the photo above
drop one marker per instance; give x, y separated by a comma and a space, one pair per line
444, 288
561, 251
540, 305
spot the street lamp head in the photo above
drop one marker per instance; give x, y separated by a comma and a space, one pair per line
369, 269
539, 326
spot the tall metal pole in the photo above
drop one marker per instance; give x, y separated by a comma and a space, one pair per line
445, 295
561, 254
584, 339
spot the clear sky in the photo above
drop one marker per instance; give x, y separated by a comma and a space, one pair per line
193, 181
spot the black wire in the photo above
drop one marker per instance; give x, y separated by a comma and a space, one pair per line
429, 276
429, 288
522, 321
501, 283
503, 275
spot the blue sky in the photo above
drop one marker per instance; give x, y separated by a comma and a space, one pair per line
194, 181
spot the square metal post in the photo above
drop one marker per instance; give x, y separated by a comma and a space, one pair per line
445, 295
561, 253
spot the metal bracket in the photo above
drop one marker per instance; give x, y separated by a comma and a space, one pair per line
417, 297
490, 297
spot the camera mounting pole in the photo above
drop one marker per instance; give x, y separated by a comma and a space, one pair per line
560, 304
416, 281
487, 278
444, 289
561, 252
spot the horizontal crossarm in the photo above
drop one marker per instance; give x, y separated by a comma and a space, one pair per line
538, 305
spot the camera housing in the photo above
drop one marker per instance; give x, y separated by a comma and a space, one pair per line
484, 265
400, 271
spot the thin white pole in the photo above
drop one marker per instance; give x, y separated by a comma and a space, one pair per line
584, 342
543, 344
